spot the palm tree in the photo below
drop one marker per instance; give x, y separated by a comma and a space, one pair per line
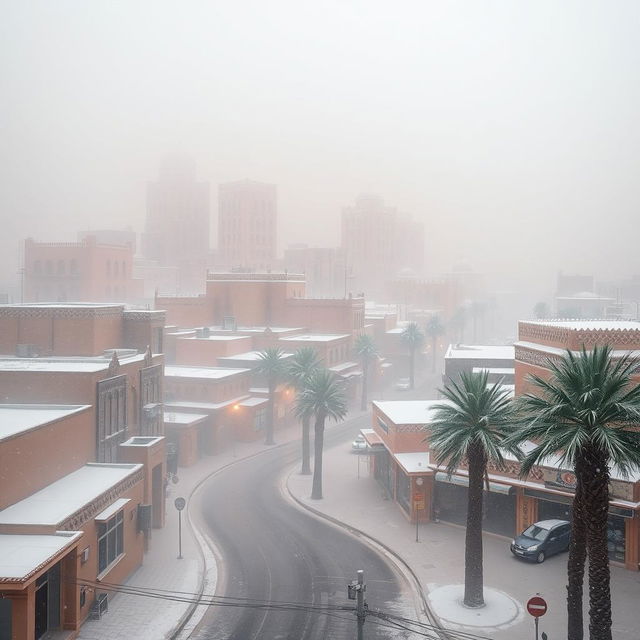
413, 337
272, 365
458, 321
541, 310
587, 414
323, 398
366, 350
471, 426
434, 330
301, 365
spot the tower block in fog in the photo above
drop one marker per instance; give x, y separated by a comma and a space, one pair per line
247, 225
177, 224
380, 244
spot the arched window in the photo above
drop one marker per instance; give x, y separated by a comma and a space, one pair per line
48, 267
37, 267
61, 268
108, 267
74, 266
124, 269
115, 268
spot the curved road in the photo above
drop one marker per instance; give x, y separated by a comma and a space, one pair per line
272, 551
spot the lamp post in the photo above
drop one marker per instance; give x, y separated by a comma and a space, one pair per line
419, 483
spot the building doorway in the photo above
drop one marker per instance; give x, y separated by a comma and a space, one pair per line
47, 606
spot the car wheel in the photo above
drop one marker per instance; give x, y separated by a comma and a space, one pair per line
540, 557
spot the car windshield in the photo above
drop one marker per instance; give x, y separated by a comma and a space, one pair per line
536, 533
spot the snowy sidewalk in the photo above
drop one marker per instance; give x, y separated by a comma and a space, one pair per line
438, 558
147, 618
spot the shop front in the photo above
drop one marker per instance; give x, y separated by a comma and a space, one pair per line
551, 506
499, 504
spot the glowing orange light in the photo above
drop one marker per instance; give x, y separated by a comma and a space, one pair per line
236, 407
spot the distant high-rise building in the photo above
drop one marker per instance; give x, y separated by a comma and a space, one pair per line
380, 244
177, 224
324, 269
247, 225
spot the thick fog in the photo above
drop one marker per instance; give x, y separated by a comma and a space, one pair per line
509, 128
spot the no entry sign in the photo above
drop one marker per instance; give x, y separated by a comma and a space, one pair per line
537, 606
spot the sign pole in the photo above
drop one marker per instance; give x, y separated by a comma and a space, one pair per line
536, 619
180, 504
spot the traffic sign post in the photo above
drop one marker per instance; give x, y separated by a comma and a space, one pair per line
180, 504
537, 607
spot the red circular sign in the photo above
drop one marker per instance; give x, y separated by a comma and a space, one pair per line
537, 606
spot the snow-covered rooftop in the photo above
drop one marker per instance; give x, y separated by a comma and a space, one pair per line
590, 325
253, 402
249, 356
22, 555
315, 337
481, 352
212, 373
502, 371
183, 419
216, 338
414, 462
408, 411
61, 499
18, 418
202, 406
63, 365
339, 368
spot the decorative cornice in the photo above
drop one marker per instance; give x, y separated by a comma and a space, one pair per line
59, 312
86, 513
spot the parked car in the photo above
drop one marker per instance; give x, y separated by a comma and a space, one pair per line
359, 445
402, 384
542, 539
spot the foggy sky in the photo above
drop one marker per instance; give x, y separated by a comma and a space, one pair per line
510, 128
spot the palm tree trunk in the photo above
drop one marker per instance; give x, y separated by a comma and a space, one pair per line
576, 561
365, 374
596, 496
473, 575
412, 354
318, 445
306, 463
270, 418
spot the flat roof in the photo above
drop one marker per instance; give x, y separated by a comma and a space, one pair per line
64, 305
253, 402
24, 554
211, 373
205, 406
503, 371
249, 356
480, 352
589, 325
18, 418
185, 419
408, 411
61, 499
315, 337
414, 462
215, 337
64, 365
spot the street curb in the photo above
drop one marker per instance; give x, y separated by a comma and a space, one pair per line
195, 532
401, 563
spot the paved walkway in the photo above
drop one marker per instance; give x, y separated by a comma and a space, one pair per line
146, 618
438, 558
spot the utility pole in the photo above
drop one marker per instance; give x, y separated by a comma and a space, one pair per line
356, 592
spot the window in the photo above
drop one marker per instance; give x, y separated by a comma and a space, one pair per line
110, 540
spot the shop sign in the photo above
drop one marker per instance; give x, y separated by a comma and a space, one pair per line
565, 479
559, 479
418, 504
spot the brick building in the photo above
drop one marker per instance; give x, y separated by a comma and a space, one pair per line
79, 271
82, 457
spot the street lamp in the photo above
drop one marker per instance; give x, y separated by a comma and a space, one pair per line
419, 483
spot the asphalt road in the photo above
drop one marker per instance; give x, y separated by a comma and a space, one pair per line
274, 553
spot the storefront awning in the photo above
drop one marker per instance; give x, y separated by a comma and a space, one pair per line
463, 481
